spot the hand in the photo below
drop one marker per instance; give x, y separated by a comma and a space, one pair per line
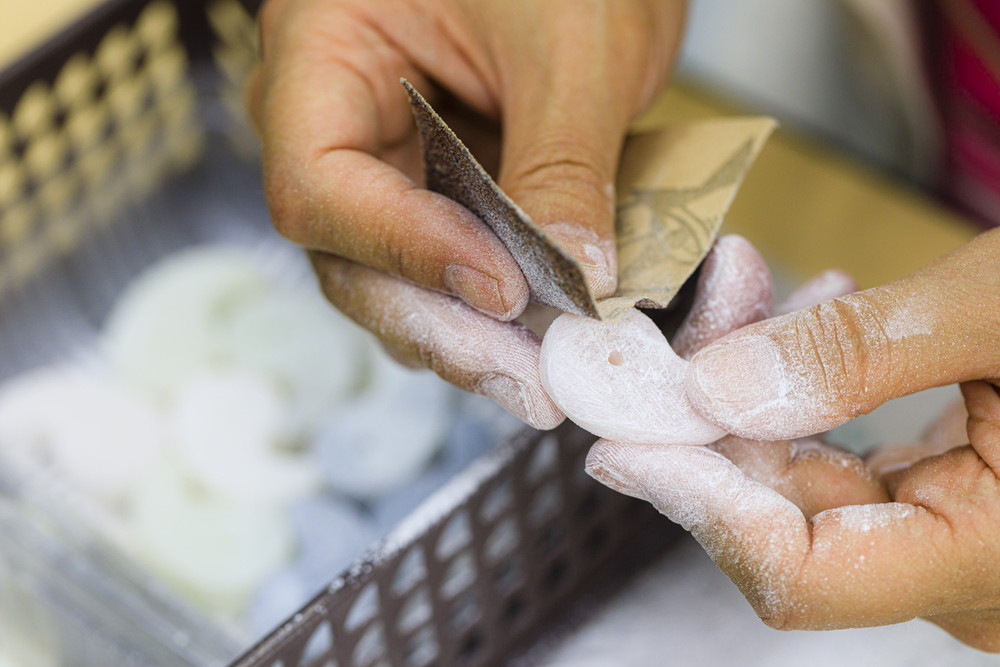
343, 173
813, 537
816, 541
811, 370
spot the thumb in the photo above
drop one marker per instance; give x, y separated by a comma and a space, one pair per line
815, 369
559, 161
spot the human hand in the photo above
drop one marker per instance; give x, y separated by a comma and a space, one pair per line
815, 540
813, 537
817, 368
342, 163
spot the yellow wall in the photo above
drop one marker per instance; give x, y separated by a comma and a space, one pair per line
814, 209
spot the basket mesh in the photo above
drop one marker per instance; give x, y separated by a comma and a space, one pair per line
493, 558
114, 121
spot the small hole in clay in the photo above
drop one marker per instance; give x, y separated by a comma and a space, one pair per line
615, 358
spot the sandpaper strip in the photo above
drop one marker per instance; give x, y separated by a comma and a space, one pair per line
554, 278
674, 187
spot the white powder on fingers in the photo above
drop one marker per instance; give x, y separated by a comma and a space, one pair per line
815, 369
463, 346
776, 381
621, 380
764, 462
597, 256
867, 518
814, 449
734, 289
755, 535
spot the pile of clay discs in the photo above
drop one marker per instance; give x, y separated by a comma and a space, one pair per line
237, 436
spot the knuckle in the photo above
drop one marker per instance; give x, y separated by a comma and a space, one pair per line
846, 340
392, 255
562, 168
286, 205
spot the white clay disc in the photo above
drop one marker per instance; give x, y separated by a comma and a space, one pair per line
228, 429
388, 435
315, 354
95, 434
214, 551
622, 381
166, 325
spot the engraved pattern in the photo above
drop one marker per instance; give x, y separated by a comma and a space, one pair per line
663, 230
671, 229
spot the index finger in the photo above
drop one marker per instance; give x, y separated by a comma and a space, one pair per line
341, 158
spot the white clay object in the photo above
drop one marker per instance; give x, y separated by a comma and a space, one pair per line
621, 380
315, 354
387, 436
228, 429
214, 551
94, 433
165, 326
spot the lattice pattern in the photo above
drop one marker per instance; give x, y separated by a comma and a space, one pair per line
482, 577
105, 130
235, 49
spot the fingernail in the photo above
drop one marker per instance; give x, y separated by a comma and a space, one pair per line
534, 408
738, 376
607, 473
598, 272
598, 263
477, 289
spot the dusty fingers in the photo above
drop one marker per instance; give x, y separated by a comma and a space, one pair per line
471, 350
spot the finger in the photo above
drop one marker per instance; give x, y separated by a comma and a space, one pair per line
734, 289
948, 431
978, 628
333, 116
982, 400
566, 110
827, 285
814, 476
852, 566
466, 348
815, 369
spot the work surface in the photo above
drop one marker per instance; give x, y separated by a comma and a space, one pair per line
665, 615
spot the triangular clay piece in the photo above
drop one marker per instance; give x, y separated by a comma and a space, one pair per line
674, 186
